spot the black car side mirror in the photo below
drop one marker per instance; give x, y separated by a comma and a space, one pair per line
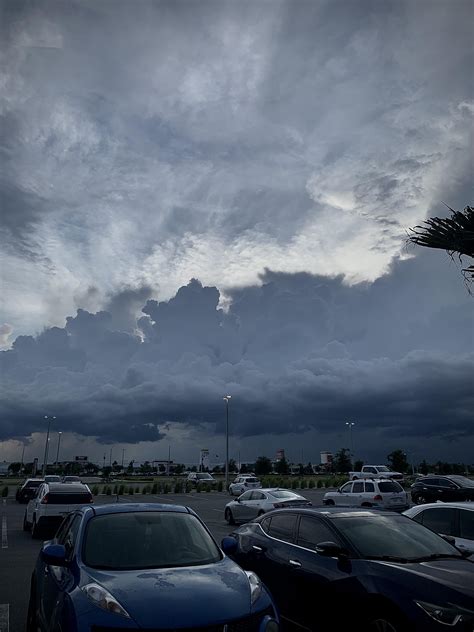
330, 549
54, 555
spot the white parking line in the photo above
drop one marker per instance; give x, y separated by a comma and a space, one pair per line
4, 533
4, 617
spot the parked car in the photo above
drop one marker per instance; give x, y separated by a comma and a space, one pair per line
53, 502
429, 489
242, 483
253, 503
376, 471
71, 479
199, 479
354, 569
143, 567
369, 493
52, 478
28, 490
448, 519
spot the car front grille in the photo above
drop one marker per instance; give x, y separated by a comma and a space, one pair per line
247, 624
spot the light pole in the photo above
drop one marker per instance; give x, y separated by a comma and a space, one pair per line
350, 424
46, 445
227, 399
123, 456
57, 451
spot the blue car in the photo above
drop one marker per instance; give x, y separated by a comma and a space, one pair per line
142, 567
354, 569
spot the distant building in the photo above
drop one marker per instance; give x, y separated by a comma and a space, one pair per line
204, 460
326, 459
280, 454
4, 468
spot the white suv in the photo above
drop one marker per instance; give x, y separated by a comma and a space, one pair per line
52, 503
242, 483
386, 494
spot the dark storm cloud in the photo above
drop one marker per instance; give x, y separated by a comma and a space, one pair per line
297, 353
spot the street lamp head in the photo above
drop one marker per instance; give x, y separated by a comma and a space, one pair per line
227, 397
59, 432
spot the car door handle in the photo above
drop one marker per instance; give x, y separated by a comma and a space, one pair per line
258, 549
294, 563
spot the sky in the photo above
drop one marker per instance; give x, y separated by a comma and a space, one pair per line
201, 199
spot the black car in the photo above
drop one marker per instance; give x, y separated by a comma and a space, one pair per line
429, 489
28, 490
356, 569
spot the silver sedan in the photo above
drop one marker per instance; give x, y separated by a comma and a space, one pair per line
256, 502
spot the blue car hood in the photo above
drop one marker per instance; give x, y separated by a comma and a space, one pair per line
193, 596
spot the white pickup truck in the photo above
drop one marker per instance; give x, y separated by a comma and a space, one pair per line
376, 471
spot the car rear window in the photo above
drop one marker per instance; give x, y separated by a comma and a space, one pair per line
33, 483
281, 493
251, 480
390, 486
69, 499
160, 540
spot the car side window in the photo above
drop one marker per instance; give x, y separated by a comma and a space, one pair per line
358, 487
70, 535
283, 526
418, 517
439, 520
63, 527
448, 484
246, 495
466, 524
371, 470
431, 481
346, 489
369, 487
265, 524
312, 531
256, 496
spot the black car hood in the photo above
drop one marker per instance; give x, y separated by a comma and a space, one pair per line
454, 574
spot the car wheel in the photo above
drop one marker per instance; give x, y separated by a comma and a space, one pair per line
329, 502
26, 524
420, 499
35, 531
228, 516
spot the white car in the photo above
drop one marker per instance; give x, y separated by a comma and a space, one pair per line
199, 479
242, 483
386, 494
52, 503
256, 502
453, 519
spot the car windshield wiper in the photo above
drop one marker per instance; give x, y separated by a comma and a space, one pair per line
437, 556
387, 558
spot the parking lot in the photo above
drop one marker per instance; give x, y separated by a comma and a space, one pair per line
19, 551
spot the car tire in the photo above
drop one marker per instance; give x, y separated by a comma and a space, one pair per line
420, 499
229, 516
329, 502
35, 530
26, 524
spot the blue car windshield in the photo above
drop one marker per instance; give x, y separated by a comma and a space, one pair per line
147, 539
392, 536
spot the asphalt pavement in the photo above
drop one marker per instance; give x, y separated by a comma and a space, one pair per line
19, 551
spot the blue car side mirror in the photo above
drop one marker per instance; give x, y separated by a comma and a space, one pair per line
229, 545
54, 555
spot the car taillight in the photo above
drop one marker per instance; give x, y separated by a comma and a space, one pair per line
278, 505
378, 497
45, 500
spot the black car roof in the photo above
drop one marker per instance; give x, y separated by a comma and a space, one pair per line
334, 512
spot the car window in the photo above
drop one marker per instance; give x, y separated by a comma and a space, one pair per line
439, 520
463, 481
160, 539
257, 496
418, 517
246, 495
430, 481
63, 528
444, 482
282, 527
358, 487
466, 524
265, 524
346, 489
312, 531
371, 470
77, 498
369, 487
68, 535
390, 486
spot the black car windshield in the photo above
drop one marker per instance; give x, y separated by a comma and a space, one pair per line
281, 493
147, 539
462, 480
392, 536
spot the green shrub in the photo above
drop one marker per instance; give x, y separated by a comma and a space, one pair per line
104, 489
121, 490
130, 490
189, 487
115, 490
137, 490
311, 483
220, 486
145, 489
154, 489
198, 489
108, 491
319, 483
5, 491
303, 484
294, 484
95, 490
166, 489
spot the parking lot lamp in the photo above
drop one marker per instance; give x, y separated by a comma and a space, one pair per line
59, 443
46, 445
350, 424
227, 399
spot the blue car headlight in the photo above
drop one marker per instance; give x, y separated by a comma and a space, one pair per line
103, 599
255, 586
448, 614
